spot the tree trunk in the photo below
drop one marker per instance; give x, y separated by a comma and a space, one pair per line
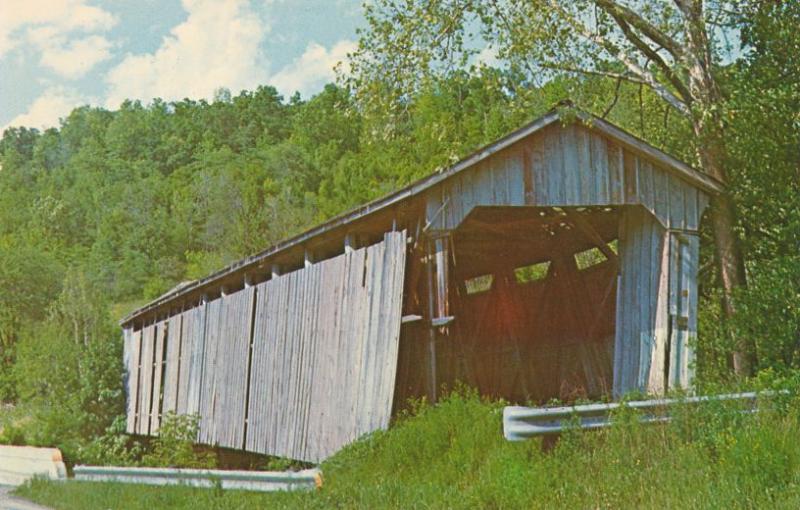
727, 248
708, 128
731, 273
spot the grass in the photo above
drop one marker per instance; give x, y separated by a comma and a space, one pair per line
454, 456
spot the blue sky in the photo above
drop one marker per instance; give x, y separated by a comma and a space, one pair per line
58, 54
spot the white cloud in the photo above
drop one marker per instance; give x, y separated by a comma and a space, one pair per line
57, 29
47, 109
312, 69
75, 58
219, 45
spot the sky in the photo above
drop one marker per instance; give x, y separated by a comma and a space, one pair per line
59, 54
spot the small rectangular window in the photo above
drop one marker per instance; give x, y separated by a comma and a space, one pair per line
589, 258
532, 273
479, 284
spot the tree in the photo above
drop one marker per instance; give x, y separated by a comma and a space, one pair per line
763, 134
673, 48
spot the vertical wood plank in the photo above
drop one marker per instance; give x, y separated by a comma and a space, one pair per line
537, 170
516, 177
616, 170
146, 379
571, 169
172, 364
602, 181
646, 186
158, 370
554, 193
691, 214
676, 342
676, 204
133, 380
586, 192
630, 162
661, 184
690, 270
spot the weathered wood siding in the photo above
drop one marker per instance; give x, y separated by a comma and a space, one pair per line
656, 306
325, 352
297, 366
146, 378
640, 242
208, 364
222, 421
683, 298
193, 339
172, 364
132, 346
569, 166
158, 370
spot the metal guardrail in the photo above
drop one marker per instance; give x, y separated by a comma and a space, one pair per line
520, 423
21, 463
265, 481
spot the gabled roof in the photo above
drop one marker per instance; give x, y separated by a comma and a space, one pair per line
678, 168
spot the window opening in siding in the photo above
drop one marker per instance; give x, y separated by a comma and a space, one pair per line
479, 284
532, 273
588, 258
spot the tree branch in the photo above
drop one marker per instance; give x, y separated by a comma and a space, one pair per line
614, 102
653, 55
689, 8
644, 75
502, 15
642, 25
606, 74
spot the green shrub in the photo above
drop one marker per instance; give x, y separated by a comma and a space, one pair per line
13, 434
174, 445
283, 464
769, 313
114, 448
68, 371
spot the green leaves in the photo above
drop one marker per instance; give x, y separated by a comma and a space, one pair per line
174, 445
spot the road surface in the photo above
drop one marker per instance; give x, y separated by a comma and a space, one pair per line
10, 502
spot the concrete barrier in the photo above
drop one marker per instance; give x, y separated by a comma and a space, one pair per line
21, 463
264, 481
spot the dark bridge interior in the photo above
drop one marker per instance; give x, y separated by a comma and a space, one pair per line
530, 300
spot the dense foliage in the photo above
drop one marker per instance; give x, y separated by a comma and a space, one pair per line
763, 113
114, 208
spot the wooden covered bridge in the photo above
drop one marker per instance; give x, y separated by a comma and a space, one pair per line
559, 261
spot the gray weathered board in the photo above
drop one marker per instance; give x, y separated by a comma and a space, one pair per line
132, 343
297, 366
656, 306
335, 382
567, 166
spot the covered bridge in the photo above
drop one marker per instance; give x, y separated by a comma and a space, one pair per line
559, 261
